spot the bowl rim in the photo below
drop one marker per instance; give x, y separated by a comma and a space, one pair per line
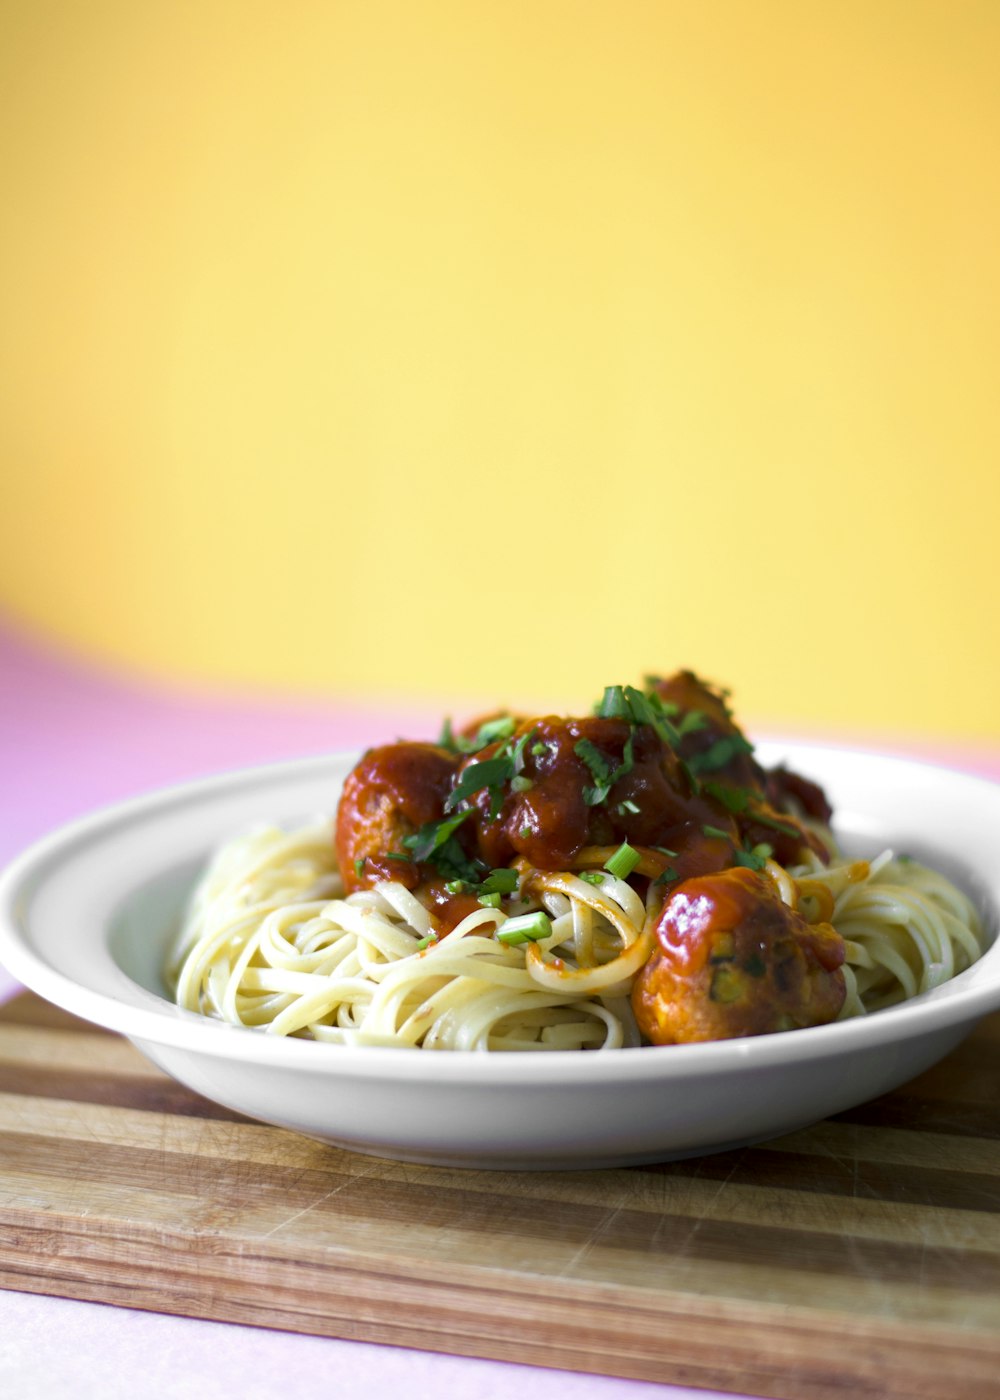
153, 1020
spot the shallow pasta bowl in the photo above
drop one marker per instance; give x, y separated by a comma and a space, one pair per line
86, 917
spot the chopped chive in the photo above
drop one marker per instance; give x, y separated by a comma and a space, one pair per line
520, 783
399, 855
668, 874
538, 749
359, 866
458, 887
427, 941
716, 831
491, 901
592, 877
623, 862
775, 825
627, 806
525, 928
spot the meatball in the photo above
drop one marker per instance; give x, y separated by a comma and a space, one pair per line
581, 782
392, 792
734, 960
716, 745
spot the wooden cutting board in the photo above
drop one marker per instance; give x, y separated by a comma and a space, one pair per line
858, 1258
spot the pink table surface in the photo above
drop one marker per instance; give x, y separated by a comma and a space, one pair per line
72, 739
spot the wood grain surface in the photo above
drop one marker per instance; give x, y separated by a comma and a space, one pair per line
857, 1258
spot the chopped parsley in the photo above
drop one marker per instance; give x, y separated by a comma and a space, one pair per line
754, 857
719, 754
691, 722
488, 733
505, 767
601, 771
498, 882
436, 844
432, 836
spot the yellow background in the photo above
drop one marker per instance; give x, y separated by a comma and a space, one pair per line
476, 349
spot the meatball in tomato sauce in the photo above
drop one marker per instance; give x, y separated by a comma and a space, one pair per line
389, 795
733, 960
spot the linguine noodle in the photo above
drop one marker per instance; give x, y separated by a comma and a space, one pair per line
271, 942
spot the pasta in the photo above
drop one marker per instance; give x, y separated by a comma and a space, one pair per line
702, 935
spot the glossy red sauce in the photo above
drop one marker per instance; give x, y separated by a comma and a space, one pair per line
547, 811
734, 960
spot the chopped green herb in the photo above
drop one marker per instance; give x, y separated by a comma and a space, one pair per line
359, 866
500, 881
427, 941
754, 858
432, 836
519, 783
663, 850
601, 771
446, 739
399, 855
497, 882
623, 862
538, 749
775, 825
487, 773
717, 755
716, 831
666, 875
734, 799
592, 877
627, 806
500, 728
524, 833
691, 722
492, 901
437, 844
525, 928
491, 774
488, 733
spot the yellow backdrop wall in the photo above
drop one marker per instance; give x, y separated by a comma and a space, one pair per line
473, 349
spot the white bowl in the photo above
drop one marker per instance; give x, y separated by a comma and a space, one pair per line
86, 916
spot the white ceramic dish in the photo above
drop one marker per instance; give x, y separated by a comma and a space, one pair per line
86, 915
